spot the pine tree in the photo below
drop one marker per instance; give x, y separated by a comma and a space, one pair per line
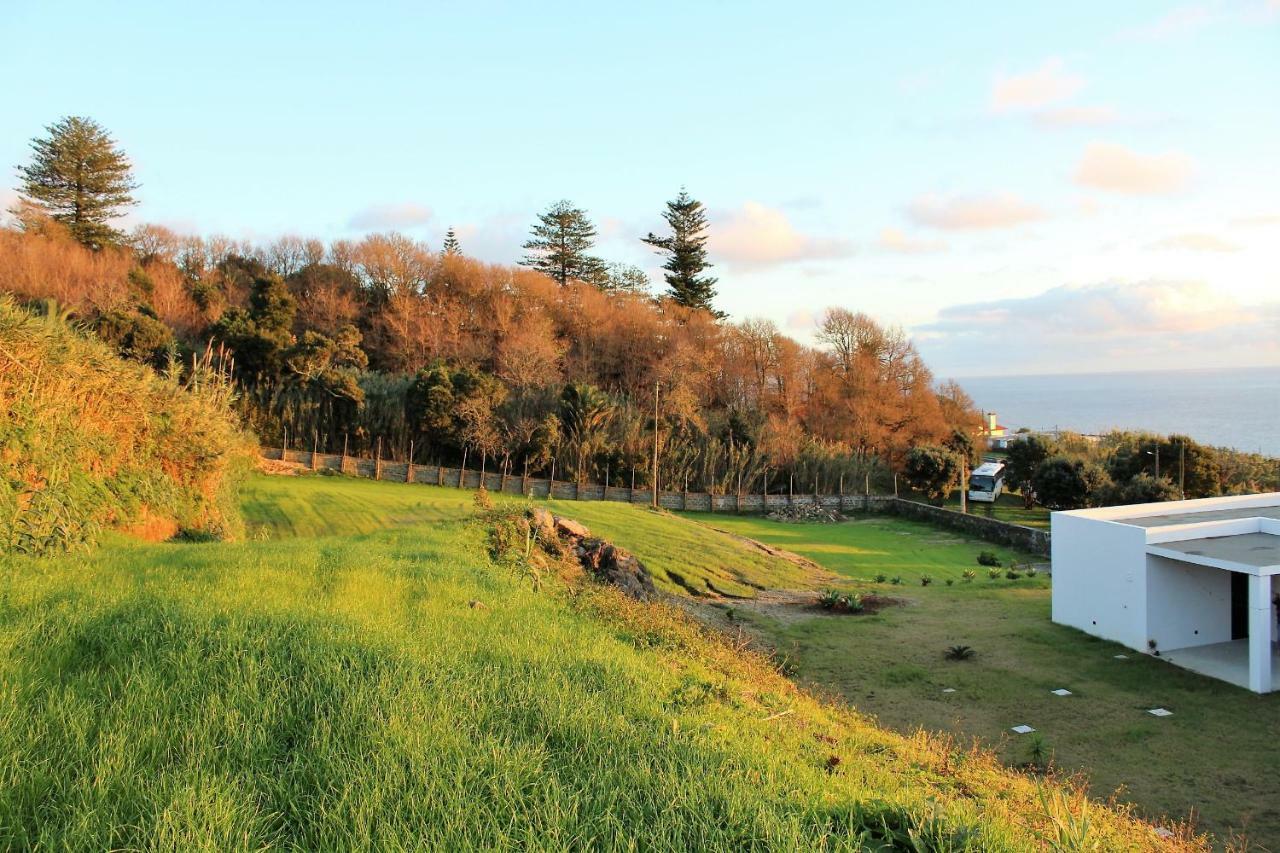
451, 244
686, 253
560, 243
79, 177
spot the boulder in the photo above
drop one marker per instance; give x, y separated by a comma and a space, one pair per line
570, 528
542, 521
614, 565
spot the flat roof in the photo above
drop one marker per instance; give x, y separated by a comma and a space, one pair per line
1206, 515
1257, 550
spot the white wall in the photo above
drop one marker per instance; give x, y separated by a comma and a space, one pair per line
1100, 578
1187, 605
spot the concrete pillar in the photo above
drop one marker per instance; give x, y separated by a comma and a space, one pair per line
1260, 633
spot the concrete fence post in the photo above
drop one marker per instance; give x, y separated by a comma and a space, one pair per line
408, 474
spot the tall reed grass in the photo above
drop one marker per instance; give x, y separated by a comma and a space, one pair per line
90, 441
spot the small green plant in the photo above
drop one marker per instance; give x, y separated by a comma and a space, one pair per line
959, 653
1032, 571
481, 500
897, 580
881, 578
988, 558
951, 581
968, 575
993, 573
841, 602
1013, 574
925, 580
1069, 831
1037, 752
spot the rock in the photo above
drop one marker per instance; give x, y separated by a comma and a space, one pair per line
807, 512
541, 520
619, 567
569, 527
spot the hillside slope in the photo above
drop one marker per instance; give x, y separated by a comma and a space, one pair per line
396, 689
90, 441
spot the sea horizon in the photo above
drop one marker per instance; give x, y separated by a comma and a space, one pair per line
1236, 407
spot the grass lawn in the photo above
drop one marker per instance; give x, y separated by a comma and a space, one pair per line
1215, 756
331, 686
1008, 507
683, 558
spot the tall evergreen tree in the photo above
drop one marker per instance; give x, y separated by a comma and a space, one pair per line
686, 253
451, 244
81, 178
560, 245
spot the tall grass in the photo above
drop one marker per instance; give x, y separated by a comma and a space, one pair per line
91, 441
397, 690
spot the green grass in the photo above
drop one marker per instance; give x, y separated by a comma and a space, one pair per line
872, 545
683, 558
1216, 755
342, 692
1008, 507
314, 506
687, 558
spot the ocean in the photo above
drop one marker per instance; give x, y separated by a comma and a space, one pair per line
1237, 408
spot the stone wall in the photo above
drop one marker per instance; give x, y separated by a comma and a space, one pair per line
1000, 532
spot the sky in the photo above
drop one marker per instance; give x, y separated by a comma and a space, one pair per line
1024, 187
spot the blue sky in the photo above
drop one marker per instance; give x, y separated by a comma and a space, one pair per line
1026, 187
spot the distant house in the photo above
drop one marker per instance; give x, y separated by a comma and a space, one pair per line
996, 434
1189, 580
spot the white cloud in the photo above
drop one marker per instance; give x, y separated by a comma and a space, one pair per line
757, 235
894, 240
1195, 243
1045, 85
1109, 309
1077, 117
1259, 219
1179, 21
803, 320
1107, 166
8, 199
1104, 326
1003, 210
383, 216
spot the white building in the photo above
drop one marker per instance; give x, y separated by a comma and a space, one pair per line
1190, 579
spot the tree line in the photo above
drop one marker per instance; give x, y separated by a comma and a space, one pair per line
1073, 471
563, 361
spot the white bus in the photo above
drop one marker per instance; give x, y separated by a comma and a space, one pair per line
986, 482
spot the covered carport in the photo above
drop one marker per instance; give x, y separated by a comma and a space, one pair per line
1227, 591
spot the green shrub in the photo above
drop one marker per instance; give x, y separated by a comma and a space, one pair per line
841, 602
881, 578
951, 581
993, 573
968, 575
1032, 571
897, 580
91, 441
925, 580
1013, 574
988, 558
959, 653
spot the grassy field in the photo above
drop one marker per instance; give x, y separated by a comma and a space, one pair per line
1008, 508
681, 556
332, 686
1215, 756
